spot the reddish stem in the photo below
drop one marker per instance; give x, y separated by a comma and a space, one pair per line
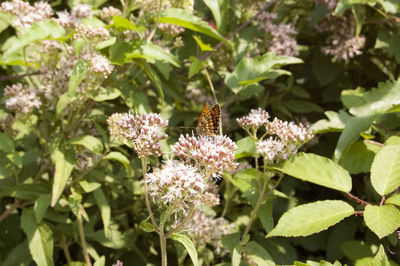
357, 199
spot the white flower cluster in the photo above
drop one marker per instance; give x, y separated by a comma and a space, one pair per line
20, 98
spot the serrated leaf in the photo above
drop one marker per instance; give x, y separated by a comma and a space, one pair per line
64, 163
184, 240
385, 170
318, 170
382, 220
311, 218
40, 207
187, 20
6, 143
104, 207
120, 158
93, 144
359, 157
40, 238
335, 122
78, 74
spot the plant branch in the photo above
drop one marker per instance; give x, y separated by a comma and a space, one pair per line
7, 212
67, 255
20, 76
356, 199
240, 28
179, 226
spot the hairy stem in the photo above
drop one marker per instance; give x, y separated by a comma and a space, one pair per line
163, 243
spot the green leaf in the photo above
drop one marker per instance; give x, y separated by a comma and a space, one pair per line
380, 258
63, 102
355, 249
354, 126
184, 240
93, 144
123, 24
311, 218
120, 158
214, 8
346, 4
385, 170
147, 227
378, 100
185, 19
19, 256
40, 207
195, 66
6, 143
302, 106
40, 30
318, 170
203, 46
106, 43
105, 94
40, 238
244, 180
89, 186
151, 52
15, 158
74, 203
382, 220
78, 74
253, 70
395, 199
335, 123
324, 70
258, 254
100, 261
64, 163
105, 209
359, 156
245, 148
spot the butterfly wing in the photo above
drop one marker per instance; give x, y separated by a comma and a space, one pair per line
205, 126
216, 118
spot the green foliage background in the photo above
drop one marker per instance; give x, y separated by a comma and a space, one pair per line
317, 213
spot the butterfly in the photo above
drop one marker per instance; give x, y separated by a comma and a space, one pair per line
209, 121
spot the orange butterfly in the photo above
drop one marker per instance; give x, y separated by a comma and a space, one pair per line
209, 121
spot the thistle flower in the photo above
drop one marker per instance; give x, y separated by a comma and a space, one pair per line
21, 98
176, 184
255, 119
289, 132
109, 12
214, 154
208, 230
143, 132
25, 14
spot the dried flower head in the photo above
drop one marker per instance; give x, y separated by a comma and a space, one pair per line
255, 119
109, 12
143, 132
21, 98
289, 132
208, 230
214, 154
25, 14
176, 184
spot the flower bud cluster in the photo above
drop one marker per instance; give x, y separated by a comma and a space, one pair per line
289, 132
255, 119
99, 64
109, 12
208, 230
143, 132
214, 154
69, 20
89, 32
20, 98
176, 184
25, 14
273, 150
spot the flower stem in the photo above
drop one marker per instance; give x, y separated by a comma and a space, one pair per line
83, 240
163, 243
179, 226
146, 195
157, 22
14, 206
